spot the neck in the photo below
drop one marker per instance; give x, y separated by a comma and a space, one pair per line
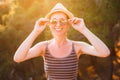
60, 41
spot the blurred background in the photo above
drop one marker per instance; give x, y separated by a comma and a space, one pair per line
17, 18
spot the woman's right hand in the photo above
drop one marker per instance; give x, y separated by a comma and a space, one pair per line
40, 25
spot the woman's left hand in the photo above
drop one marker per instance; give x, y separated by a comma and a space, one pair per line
78, 24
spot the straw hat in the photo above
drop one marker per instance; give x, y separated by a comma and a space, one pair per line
59, 8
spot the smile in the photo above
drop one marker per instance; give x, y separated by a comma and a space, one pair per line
58, 29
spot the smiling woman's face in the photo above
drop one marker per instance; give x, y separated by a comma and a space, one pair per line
59, 23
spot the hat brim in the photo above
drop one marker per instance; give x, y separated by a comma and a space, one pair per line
68, 13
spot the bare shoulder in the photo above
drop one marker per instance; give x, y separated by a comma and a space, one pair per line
78, 47
42, 44
40, 47
77, 42
80, 43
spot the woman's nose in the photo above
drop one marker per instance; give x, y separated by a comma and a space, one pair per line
58, 24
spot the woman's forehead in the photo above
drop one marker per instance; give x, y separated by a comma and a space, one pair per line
59, 15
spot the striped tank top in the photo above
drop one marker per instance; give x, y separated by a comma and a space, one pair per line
61, 68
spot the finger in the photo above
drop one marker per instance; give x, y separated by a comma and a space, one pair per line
73, 19
43, 21
76, 21
70, 20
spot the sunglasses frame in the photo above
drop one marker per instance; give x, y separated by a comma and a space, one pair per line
62, 22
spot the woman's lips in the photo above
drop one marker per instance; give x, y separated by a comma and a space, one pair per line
58, 29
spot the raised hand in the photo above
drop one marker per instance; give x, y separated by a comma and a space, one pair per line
40, 25
78, 24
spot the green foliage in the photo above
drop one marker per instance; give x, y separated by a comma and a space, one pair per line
4, 9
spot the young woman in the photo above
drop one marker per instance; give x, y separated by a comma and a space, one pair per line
60, 54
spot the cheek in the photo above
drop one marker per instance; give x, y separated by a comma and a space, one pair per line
67, 27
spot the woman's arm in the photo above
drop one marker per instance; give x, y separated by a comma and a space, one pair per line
25, 51
97, 47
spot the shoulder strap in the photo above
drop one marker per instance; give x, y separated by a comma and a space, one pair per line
46, 49
47, 44
73, 48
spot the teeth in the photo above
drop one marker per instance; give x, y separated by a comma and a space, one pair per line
58, 29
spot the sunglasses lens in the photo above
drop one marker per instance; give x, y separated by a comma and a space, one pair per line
53, 21
62, 22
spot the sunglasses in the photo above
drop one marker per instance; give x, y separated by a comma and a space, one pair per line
62, 22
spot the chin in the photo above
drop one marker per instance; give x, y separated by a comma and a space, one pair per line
60, 33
